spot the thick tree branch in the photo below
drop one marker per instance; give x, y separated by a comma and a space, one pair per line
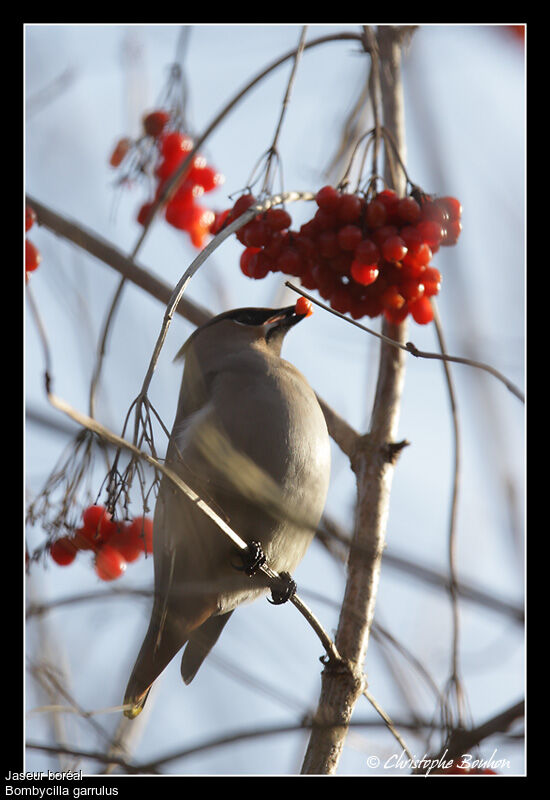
374, 466
105, 252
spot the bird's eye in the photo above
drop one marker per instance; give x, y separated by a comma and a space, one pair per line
250, 316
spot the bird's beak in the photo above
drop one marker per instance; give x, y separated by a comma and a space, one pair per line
284, 318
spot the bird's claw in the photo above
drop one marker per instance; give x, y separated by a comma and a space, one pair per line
284, 592
252, 559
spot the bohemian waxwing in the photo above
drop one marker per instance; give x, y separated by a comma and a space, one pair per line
251, 440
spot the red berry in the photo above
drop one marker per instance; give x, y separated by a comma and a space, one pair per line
30, 218
349, 208
408, 210
200, 226
244, 261
451, 233
430, 231
396, 315
278, 219
187, 192
32, 256
422, 311
179, 215
144, 213
394, 248
367, 252
431, 278
220, 219
325, 219
432, 210
379, 235
166, 168
390, 200
194, 219
411, 289
306, 279
83, 539
119, 151
340, 299
388, 197
349, 236
93, 516
127, 544
63, 551
375, 213
392, 298
155, 122
371, 306
289, 262
304, 307
175, 145
256, 265
328, 198
109, 563
277, 242
410, 235
141, 530
98, 525
365, 274
242, 204
341, 263
306, 247
327, 244
325, 280
206, 177
310, 228
452, 206
256, 233
417, 257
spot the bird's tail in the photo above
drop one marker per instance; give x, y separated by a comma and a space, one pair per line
167, 633
159, 647
134, 706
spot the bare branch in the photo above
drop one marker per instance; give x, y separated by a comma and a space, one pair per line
411, 348
374, 470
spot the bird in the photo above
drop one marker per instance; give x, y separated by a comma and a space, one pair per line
250, 439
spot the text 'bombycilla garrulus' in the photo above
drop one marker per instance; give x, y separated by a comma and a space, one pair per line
251, 440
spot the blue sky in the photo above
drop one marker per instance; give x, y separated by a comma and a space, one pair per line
465, 129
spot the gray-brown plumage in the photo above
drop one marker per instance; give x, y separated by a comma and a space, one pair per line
250, 439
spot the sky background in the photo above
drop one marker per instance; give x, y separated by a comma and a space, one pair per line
85, 87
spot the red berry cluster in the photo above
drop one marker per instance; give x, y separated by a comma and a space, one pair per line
365, 256
114, 544
170, 148
33, 256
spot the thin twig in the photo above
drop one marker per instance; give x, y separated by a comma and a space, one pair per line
286, 101
391, 727
411, 348
454, 678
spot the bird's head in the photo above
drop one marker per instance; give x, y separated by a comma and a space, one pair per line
247, 326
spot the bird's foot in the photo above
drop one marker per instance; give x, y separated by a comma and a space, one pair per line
285, 591
252, 559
